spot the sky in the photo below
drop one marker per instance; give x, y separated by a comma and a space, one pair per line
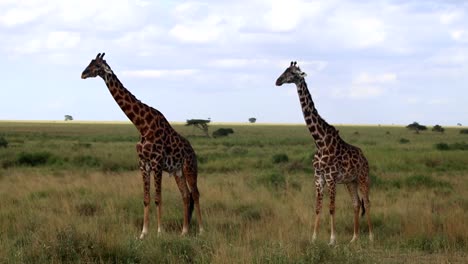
367, 62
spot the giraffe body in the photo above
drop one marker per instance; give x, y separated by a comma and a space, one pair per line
335, 161
160, 148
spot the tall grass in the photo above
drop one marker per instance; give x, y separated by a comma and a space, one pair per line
72, 193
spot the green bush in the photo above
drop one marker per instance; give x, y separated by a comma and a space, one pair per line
222, 132
454, 146
33, 159
280, 158
464, 131
404, 141
3, 142
442, 146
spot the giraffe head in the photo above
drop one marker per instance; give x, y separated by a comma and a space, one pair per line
292, 74
97, 66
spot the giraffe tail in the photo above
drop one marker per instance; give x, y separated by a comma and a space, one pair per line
363, 208
191, 206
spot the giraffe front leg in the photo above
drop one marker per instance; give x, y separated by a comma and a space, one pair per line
146, 196
332, 191
318, 203
157, 198
184, 191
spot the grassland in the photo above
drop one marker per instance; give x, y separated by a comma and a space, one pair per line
71, 192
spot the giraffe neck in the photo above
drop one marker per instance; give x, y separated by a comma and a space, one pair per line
139, 113
317, 126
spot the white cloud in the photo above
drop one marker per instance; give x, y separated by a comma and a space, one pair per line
284, 15
366, 78
159, 73
203, 31
359, 92
365, 85
449, 17
19, 16
62, 40
238, 63
452, 57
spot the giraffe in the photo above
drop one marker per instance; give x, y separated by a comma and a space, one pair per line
160, 148
335, 161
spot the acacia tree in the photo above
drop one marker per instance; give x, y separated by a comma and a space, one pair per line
416, 127
252, 120
438, 128
68, 118
199, 123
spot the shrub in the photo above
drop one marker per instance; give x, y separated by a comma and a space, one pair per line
280, 158
404, 140
222, 132
3, 142
454, 146
33, 159
442, 146
438, 128
464, 131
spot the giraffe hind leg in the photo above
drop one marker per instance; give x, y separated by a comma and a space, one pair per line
190, 171
353, 192
364, 189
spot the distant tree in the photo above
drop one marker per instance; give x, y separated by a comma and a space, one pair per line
222, 132
416, 127
199, 123
252, 120
68, 118
438, 128
459, 124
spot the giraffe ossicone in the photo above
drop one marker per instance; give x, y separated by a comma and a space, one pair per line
335, 161
160, 148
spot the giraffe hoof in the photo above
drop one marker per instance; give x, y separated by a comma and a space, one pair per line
371, 237
142, 236
201, 231
332, 242
354, 239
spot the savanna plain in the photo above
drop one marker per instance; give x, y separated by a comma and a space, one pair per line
72, 193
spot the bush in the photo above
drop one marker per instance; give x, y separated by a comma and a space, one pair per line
222, 132
280, 158
464, 131
454, 146
442, 146
3, 142
438, 128
33, 159
404, 141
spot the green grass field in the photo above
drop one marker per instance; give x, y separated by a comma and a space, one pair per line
71, 192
